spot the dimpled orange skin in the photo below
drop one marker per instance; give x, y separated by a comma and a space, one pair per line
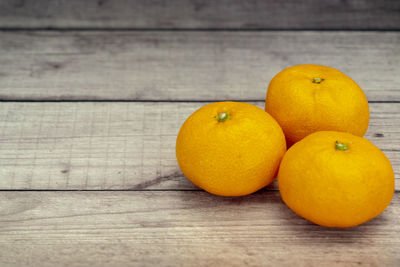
234, 157
336, 188
302, 106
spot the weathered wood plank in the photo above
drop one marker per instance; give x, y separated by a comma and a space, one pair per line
227, 14
182, 228
186, 65
110, 145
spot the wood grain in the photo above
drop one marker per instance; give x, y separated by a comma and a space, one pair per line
181, 14
182, 228
186, 65
123, 145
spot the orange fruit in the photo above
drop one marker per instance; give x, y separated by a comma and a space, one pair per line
230, 148
310, 98
336, 179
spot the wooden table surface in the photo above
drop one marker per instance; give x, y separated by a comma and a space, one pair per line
93, 94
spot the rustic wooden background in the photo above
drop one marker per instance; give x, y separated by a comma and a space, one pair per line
93, 94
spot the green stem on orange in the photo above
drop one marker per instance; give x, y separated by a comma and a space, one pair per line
223, 116
341, 146
317, 80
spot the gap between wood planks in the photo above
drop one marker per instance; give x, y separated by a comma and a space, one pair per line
94, 29
155, 101
126, 190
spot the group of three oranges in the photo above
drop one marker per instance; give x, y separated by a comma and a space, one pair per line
330, 174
